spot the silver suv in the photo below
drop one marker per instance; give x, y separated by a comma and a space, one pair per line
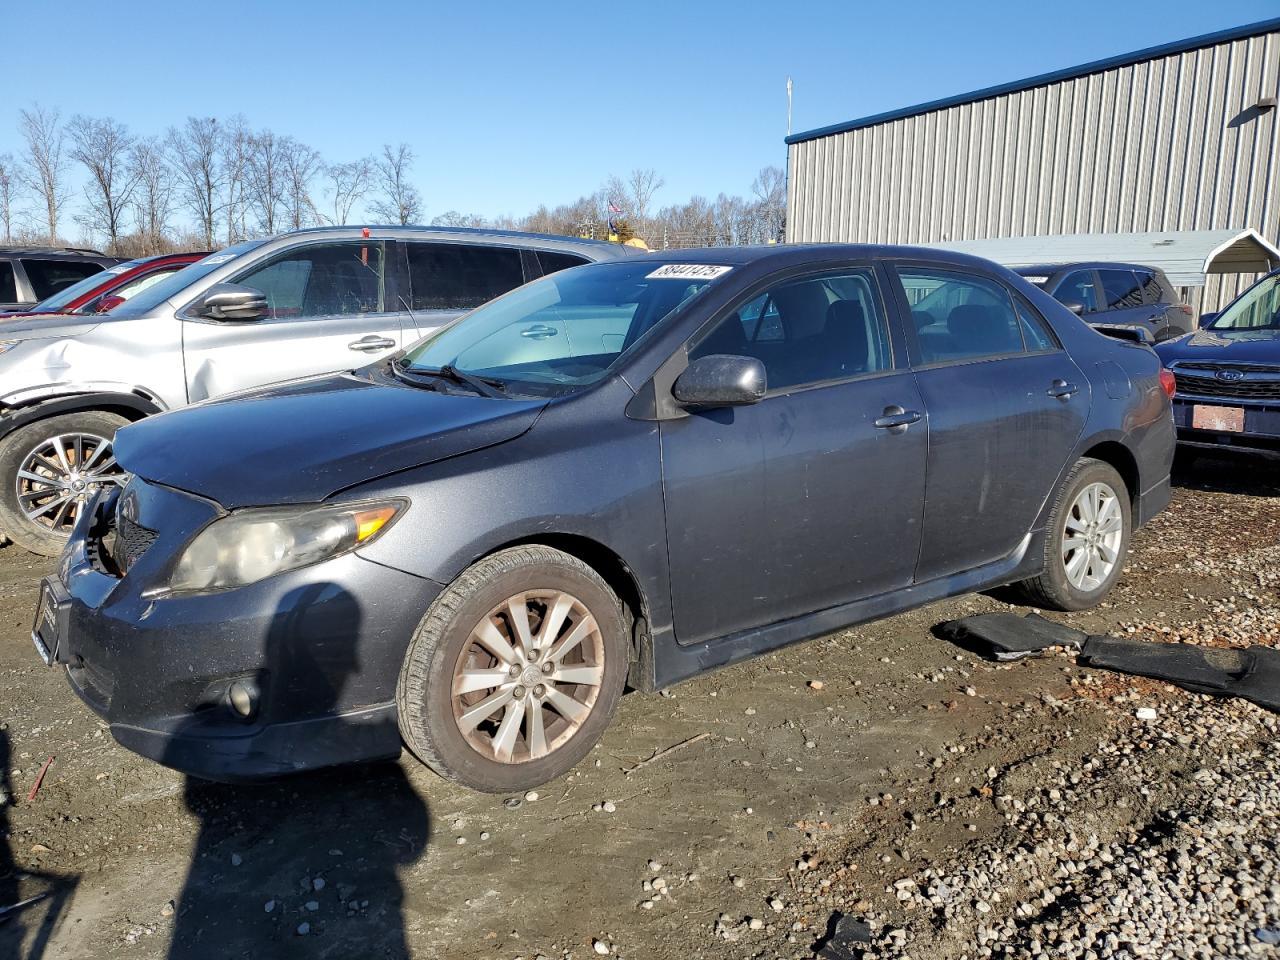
261, 311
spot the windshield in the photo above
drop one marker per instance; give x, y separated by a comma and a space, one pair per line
565, 331
1257, 309
175, 283
59, 300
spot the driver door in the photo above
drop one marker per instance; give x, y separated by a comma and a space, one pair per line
329, 311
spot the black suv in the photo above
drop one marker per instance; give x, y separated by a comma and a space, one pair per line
1116, 294
31, 274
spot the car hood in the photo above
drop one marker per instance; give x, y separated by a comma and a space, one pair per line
37, 326
1260, 346
302, 441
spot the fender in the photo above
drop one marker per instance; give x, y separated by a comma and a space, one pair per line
136, 405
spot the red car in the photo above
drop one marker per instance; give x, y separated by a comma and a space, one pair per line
111, 287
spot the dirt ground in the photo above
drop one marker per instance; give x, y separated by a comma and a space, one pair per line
877, 768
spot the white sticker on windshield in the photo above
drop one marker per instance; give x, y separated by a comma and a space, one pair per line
218, 258
688, 271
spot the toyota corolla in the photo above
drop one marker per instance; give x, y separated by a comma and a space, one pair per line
627, 473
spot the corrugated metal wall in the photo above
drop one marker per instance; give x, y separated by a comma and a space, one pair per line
1165, 144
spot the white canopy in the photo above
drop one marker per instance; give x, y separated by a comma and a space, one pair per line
1185, 256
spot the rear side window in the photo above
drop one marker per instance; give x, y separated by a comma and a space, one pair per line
1152, 290
49, 276
1035, 330
959, 316
8, 286
551, 262
829, 327
1079, 287
1121, 289
458, 276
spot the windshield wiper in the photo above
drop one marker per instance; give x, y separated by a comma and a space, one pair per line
485, 386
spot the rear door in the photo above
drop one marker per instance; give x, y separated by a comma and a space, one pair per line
1005, 404
329, 310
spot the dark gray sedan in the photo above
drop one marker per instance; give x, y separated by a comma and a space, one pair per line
627, 472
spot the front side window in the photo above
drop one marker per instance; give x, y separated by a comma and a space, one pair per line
322, 280
959, 316
1079, 287
562, 332
1257, 309
1121, 289
811, 330
460, 276
8, 285
50, 276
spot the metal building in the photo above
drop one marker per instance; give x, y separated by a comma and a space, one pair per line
1177, 137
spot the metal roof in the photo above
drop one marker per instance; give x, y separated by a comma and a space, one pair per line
1069, 73
1185, 256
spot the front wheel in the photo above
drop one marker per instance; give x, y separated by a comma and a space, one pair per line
514, 672
1086, 540
48, 469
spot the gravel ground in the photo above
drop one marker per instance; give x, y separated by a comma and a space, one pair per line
961, 808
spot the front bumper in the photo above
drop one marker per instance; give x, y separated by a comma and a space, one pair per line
1260, 436
321, 646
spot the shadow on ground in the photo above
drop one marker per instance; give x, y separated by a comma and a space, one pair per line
1228, 473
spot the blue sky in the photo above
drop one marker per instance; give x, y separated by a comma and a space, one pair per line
508, 105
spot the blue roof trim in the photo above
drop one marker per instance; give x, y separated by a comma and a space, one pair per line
1070, 73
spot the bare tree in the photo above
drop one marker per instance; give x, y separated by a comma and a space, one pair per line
641, 186
770, 189
399, 201
8, 191
235, 148
300, 165
44, 166
348, 184
266, 179
153, 195
193, 150
452, 218
103, 147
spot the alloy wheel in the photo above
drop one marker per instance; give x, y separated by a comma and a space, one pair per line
1092, 537
60, 473
528, 676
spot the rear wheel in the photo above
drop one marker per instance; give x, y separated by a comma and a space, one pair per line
1086, 540
48, 469
514, 672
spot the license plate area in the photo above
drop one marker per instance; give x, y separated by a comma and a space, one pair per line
1218, 419
53, 613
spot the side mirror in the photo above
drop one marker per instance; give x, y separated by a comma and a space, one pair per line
721, 380
231, 301
1075, 306
109, 302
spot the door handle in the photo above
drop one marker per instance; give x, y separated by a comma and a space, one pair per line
539, 331
371, 343
896, 419
1062, 390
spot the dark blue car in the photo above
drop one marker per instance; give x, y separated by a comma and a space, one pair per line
1228, 376
625, 473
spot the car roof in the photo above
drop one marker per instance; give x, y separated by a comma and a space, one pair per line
788, 254
393, 232
57, 253
1049, 269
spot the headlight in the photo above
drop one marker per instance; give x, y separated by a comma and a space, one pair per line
253, 544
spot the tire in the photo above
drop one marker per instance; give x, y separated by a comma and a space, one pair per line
434, 721
1054, 589
44, 535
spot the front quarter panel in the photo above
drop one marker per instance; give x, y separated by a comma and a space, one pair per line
583, 470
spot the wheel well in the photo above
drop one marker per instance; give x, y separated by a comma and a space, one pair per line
609, 565
1117, 455
122, 405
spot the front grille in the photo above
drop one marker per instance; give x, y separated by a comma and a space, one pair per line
1200, 379
132, 540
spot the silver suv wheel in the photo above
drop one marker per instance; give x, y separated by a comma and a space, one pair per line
59, 474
